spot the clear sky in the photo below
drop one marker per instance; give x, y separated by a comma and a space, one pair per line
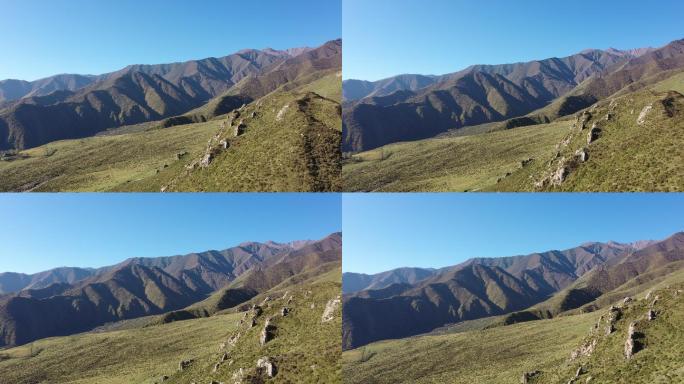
43, 231
383, 38
47, 37
387, 231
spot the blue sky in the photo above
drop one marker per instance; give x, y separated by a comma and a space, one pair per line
46, 37
43, 231
387, 231
384, 38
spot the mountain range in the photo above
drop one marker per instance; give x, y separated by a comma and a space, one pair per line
71, 300
413, 107
518, 288
74, 106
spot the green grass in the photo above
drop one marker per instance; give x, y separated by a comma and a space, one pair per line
626, 157
658, 362
103, 163
305, 349
298, 152
497, 355
465, 163
130, 356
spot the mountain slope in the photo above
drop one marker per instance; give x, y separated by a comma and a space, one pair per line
476, 95
475, 289
11, 90
355, 282
132, 95
14, 282
134, 288
360, 89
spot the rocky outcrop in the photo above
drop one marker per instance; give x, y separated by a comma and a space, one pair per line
526, 376
631, 346
267, 366
330, 307
593, 135
642, 115
268, 333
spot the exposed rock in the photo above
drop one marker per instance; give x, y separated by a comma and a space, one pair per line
642, 115
257, 310
184, 364
239, 129
608, 117
579, 372
180, 155
224, 357
206, 160
610, 328
216, 367
234, 339
254, 114
266, 365
268, 333
630, 344
593, 135
281, 113
238, 375
330, 307
266, 300
585, 349
650, 315
224, 144
582, 155
526, 376
649, 294
559, 176
526, 162
284, 311
164, 378
627, 300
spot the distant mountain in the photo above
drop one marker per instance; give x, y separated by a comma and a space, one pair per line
474, 289
355, 282
139, 93
11, 90
14, 282
146, 286
476, 95
359, 89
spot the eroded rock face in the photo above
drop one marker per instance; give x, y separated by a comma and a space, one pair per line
642, 115
267, 366
559, 176
630, 343
268, 333
593, 135
330, 307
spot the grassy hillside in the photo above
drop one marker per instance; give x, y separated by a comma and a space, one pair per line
497, 355
626, 156
290, 143
467, 163
305, 349
130, 356
102, 163
658, 344
298, 152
